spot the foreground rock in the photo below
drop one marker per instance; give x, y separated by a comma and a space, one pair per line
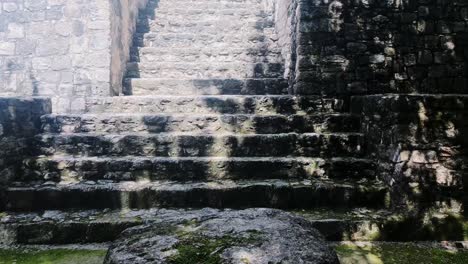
212, 236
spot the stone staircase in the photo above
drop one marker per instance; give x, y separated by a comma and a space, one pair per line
205, 121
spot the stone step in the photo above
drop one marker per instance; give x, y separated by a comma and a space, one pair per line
207, 4
219, 104
153, 86
133, 168
219, 194
201, 145
199, 14
99, 226
203, 54
204, 70
265, 39
215, 25
207, 124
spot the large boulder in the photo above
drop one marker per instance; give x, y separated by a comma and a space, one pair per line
254, 236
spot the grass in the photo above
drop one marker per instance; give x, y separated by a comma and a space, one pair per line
407, 253
53, 256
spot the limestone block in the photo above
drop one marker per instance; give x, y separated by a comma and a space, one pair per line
7, 48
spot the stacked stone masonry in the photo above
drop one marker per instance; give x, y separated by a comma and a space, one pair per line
63, 49
290, 104
420, 143
373, 47
198, 125
19, 123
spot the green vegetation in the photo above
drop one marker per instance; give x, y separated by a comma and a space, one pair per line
53, 256
408, 253
195, 248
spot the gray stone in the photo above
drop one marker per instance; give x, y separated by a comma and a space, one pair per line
10, 7
7, 48
251, 236
376, 59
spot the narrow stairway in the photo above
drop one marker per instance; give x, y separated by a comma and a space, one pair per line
206, 121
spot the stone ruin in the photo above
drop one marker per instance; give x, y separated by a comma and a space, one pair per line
111, 111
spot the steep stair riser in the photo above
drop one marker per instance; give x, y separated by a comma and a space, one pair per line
266, 105
192, 169
171, 15
209, 5
203, 55
279, 145
286, 197
205, 26
181, 40
204, 12
243, 124
205, 86
207, 70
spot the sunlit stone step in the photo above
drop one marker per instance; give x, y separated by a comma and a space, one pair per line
218, 194
255, 39
68, 168
155, 86
201, 145
97, 226
196, 123
209, 4
220, 104
205, 70
217, 25
204, 54
199, 14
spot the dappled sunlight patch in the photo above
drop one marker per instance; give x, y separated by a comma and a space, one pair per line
398, 253
56, 256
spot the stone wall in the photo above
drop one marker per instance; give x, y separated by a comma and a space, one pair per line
379, 52
420, 143
124, 14
56, 48
395, 46
19, 121
285, 24
63, 48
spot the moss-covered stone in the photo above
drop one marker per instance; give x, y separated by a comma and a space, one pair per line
55, 256
195, 248
211, 236
387, 225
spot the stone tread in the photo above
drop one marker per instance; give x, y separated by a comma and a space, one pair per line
219, 194
98, 226
198, 14
220, 104
190, 40
137, 168
163, 86
204, 54
197, 123
205, 26
204, 70
199, 145
197, 5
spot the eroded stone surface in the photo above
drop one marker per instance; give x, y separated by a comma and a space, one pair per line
249, 236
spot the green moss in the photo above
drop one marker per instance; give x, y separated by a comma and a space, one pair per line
398, 254
55, 256
195, 248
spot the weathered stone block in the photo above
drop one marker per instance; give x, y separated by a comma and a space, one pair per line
7, 48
